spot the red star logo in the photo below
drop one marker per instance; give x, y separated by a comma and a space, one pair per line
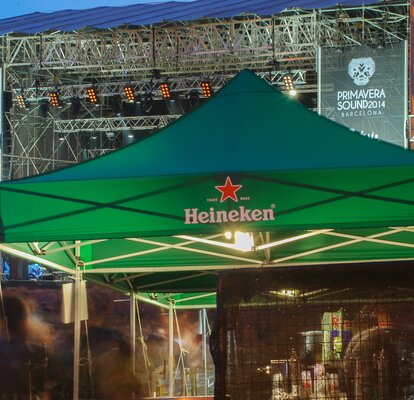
228, 190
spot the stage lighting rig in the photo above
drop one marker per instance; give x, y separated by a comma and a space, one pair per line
129, 93
206, 88
288, 81
55, 100
165, 90
92, 96
22, 102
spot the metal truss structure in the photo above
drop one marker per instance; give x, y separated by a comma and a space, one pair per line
182, 53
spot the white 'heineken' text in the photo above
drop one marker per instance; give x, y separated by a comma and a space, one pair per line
242, 214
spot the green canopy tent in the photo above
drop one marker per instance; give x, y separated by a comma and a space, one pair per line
152, 217
249, 179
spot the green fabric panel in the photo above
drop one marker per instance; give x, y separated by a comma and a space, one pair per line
59, 258
246, 126
118, 208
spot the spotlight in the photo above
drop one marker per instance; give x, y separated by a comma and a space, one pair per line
288, 81
147, 102
175, 105
75, 105
206, 87
116, 104
110, 135
92, 96
61, 136
22, 102
129, 93
193, 99
55, 100
128, 136
7, 99
165, 90
44, 108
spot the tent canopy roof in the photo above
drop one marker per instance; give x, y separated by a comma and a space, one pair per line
247, 127
152, 216
154, 13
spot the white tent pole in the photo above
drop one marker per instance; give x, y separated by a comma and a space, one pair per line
170, 349
2, 81
132, 318
204, 333
77, 325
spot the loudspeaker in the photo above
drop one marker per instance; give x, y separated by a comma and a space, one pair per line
68, 302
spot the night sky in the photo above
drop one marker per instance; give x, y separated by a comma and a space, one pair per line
21, 7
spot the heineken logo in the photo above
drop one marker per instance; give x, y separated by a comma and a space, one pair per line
228, 191
240, 214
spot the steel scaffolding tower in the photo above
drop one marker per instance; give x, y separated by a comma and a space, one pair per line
41, 138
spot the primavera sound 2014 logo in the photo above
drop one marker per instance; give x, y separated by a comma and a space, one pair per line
228, 192
361, 101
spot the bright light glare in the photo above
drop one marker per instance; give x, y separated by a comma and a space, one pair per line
243, 241
228, 235
293, 92
286, 293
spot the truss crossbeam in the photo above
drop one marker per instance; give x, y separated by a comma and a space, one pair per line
113, 124
178, 84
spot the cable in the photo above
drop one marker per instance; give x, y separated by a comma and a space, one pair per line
144, 347
182, 353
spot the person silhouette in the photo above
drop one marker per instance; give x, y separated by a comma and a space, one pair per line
374, 362
23, 364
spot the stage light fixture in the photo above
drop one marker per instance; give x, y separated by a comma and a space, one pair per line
290, 87
75, 105
22, 102
129, 93
61, 136
147, 102
165, 90
206, 87
116, 104
44, 108
92, 96
193, 99
55, 100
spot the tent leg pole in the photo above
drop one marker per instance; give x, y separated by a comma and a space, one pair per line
204, 333
76, 333
2, 81
171, 350
132, 311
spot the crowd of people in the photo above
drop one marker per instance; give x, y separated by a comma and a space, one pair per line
36, 347
36, 359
